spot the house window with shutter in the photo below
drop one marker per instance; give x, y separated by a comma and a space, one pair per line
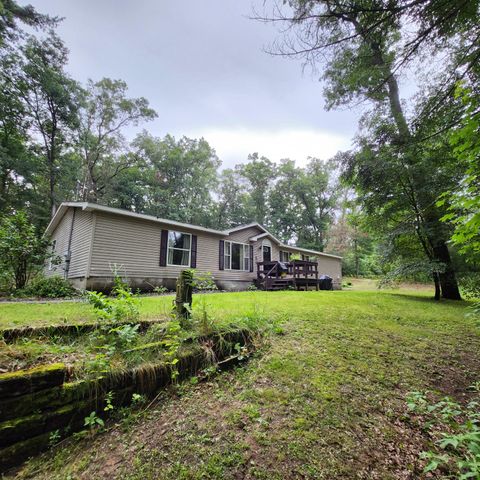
179, 248
227, 255
284, 256
236, 256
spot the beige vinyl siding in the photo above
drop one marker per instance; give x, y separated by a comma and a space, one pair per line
81, 241
331, 267
243, 236
80, 245
134, 245
60, 235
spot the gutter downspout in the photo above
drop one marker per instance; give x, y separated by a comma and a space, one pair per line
68, 255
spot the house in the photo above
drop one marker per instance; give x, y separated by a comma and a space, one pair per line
92, 239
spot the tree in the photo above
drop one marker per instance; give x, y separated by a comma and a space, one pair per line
316, 196
260, 173
50, 99
105, 112
358, 45
179, 177
16, 162
22, 251
11, 12
233, 206
464, 201
350, 237
285, 210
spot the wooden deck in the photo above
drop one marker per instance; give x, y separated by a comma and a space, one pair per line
297, 274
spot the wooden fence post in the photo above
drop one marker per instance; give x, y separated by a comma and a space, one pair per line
183, 299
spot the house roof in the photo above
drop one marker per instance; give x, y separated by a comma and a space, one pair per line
90, 207
266, 233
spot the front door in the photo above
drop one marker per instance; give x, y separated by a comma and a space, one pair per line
267, 253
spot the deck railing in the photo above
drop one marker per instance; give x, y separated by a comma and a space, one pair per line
301, 270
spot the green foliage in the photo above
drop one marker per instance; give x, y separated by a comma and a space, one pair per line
172, 343
125, 334
22, 251
464, 201
93, 421
252, 288
160, 289
138, 399
11, 13
122, 306
418, 270
54, 438
202, 320
100, 143
108, 402
456, 429
50, 98
49, 287
203, 281
179, 177
470, 284
260, 173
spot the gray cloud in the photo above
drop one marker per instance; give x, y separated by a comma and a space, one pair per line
202, 67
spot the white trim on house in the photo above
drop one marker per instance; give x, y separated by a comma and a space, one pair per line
243, 227
243, 257
189, 250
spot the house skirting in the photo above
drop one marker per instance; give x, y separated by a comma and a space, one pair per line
105, 284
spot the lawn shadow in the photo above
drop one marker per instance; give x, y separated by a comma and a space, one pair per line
428, 299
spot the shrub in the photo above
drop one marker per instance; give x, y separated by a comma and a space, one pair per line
203, 281
48, 287
470, 285
123, 306
252, 288
22, 250
160, 289
456, 432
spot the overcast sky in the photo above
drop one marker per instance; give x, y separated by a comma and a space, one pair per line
202, 66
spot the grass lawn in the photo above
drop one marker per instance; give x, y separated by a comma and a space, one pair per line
22, 314
325, 399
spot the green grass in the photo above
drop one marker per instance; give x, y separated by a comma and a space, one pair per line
324, 400
22, 314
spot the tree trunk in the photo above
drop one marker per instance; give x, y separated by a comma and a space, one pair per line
355, 250
448, 279
436, 281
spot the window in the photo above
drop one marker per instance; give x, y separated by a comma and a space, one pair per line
237, 256
228, 255
246, 258
179, 248
284, 256
50, 260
